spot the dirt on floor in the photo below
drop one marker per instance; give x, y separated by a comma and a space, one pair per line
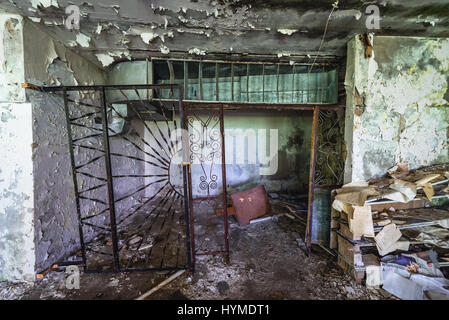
268, 261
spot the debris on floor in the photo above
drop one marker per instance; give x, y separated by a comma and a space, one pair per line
393, 231
267, 262
250, 204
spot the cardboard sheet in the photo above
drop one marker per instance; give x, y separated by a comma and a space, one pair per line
386, 239
361, 223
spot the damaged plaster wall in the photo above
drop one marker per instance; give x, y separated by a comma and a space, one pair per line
16, 193
47, 62
11, 57
114, 30
16, 179
396, 105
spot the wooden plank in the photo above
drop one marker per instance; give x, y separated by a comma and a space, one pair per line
160, 285
313, 150
414, 204
344, 228
345, 248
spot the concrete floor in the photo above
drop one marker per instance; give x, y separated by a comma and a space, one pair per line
266, 263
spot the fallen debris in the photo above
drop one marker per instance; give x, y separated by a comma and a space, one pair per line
250, 204
160, 285
43, 274
407, 189
387, 238
404, 220
361, 223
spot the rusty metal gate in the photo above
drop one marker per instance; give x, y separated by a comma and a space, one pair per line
129, 183
207, 180
327, 159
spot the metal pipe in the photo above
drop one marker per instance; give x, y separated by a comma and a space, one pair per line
190, 200
106, 87
217, 95
224, 186
232, 81
185, 174
313, 151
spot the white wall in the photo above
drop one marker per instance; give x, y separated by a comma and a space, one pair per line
16, 167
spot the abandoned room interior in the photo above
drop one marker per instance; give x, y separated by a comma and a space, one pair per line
224, 149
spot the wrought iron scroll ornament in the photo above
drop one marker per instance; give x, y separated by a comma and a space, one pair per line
330, 148
205, 147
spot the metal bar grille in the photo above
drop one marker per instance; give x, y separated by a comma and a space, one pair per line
132, 214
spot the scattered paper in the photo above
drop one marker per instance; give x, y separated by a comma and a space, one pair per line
398, 171
382, 223
402, 288
396, 196
373, 276
356, 184
427, 179
428, 190
434, 235
408, 189
355, 195
343, 207
361, 223
399, 222
402, 245
386, 239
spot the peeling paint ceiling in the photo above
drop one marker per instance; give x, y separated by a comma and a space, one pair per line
115, 30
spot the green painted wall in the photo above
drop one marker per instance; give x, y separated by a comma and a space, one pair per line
294, 139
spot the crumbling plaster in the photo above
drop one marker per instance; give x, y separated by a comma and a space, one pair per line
11, 58
16, 179
396, 105
16, 190
48, 62
116, 30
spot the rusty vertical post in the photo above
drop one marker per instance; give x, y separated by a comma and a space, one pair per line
225, 195
185, 173
313, 150
190, 197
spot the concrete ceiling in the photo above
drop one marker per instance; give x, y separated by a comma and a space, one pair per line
113, 30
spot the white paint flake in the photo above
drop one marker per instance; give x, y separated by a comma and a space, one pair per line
44, 3
99, 28
147, 37
288, 32
82, 40
197, 51
164, 49
105, 59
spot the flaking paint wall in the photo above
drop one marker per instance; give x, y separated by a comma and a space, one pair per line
47, 62
16, 179
402, 105
16, 193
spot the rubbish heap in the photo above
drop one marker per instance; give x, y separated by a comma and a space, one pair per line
394, 231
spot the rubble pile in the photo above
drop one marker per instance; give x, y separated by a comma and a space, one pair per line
394, 231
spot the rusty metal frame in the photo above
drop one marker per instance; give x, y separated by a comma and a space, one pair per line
248, 65
108, 180
189, 106
313, 185
190, 111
